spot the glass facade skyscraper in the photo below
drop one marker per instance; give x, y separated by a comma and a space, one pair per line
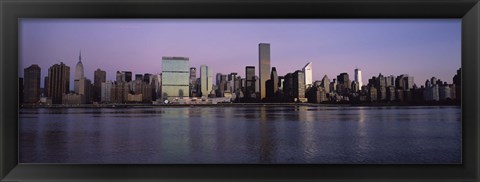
264, 67
206, 83
358, 78
175, 77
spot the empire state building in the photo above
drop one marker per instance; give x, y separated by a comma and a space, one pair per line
78, 74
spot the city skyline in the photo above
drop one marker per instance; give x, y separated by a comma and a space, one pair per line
437, 60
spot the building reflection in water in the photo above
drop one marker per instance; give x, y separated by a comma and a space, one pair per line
195, 131
221, 134
307, 131
362, 139
266, 133
284, 134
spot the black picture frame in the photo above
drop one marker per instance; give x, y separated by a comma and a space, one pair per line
467, 10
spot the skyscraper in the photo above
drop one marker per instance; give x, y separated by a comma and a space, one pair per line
232, 79
192, 79
307, 69
274, 79
84, 89
106, 90
79, 74
156, 86
264, 67
299, 85
205, 80
127, 76
218, 78
358, 77
249, 81
457, 80
147, 77
343, 83
404, 82
326, 83
58, 82
175, 77
99, 77
139, 77
119, 76
32, 84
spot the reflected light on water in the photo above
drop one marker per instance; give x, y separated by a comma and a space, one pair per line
237, 135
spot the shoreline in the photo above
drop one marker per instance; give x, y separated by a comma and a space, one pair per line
113, 106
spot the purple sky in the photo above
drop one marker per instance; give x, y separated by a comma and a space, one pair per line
420, 48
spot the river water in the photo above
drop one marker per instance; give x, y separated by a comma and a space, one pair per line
242, 134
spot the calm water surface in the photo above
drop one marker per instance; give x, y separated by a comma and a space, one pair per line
253, 134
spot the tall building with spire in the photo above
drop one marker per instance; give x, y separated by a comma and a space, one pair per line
78, 74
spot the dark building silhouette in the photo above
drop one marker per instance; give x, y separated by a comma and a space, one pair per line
390, 93
288, 88
32, 84
272, 85
58, 82
128, 76
249, 81
139, 77
344, 83
372, 94
299, 85
457, 81
222, 85
99, 77
355, 87
193, 79
316, 94
146, 78
274, 78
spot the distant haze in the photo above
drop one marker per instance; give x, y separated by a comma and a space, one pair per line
420, 48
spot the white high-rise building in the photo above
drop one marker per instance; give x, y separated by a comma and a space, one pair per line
358, 77
78, 74
307, 69
206, 83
